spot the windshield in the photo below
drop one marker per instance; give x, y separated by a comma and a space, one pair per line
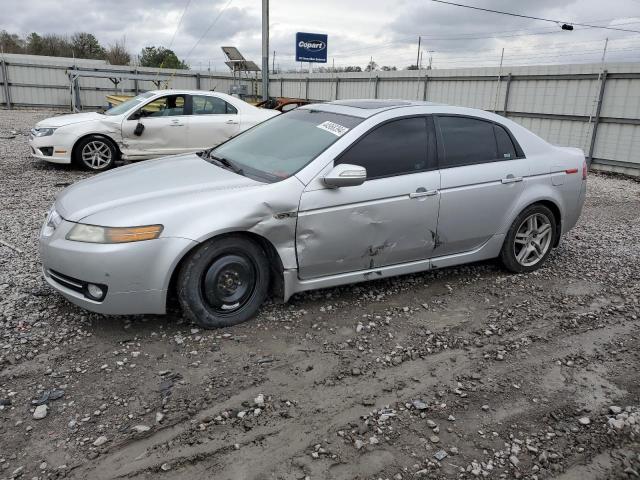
129, 104
279, 147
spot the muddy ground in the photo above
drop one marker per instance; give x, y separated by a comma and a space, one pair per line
459, 373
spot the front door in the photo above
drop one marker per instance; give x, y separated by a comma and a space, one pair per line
165, 122
482, 173
212, 122
390, 219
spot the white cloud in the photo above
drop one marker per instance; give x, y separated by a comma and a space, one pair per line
358, 29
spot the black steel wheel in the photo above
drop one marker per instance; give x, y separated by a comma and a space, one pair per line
223, 282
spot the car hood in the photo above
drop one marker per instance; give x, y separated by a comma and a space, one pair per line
62, 120
152, 182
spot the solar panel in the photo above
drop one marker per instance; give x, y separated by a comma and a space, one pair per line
233, 54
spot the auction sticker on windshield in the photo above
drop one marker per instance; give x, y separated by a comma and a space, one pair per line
331, 127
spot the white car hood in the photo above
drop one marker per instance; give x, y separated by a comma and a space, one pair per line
62, 120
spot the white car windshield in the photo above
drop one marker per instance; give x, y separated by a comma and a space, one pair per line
129, 104
279, 147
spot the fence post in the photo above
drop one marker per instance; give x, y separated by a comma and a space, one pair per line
506, 95
197, 80
424, 91
337, 89
596, 120
5, 83
375, 87
281, 87
306, 89
136, 87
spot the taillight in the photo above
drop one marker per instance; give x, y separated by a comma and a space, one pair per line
584, 170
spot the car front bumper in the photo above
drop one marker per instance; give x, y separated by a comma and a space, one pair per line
59, 151
136, 275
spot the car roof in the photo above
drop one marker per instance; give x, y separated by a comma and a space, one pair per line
366, 108
176, 91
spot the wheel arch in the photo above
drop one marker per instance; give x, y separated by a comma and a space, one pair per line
273, 257
87, 135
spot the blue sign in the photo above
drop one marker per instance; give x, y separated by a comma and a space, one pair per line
311, 47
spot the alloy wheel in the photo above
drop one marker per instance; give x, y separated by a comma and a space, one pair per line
96, 155
532, 240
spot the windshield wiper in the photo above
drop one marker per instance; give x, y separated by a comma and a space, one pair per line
228, 164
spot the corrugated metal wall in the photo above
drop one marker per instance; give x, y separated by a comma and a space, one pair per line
564, 104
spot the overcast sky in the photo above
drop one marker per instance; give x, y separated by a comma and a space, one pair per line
358, 29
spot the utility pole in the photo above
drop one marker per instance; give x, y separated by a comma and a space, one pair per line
418, 57
495, 104
265, 49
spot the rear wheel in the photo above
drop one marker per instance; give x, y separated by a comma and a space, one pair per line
95, 153
224, 282
529, 240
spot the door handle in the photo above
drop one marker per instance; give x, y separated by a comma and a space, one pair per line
511, 179
176, 123
231, 122
424, 193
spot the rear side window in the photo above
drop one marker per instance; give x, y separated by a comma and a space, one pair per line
506, 149
210, 105
467, 141
395, 148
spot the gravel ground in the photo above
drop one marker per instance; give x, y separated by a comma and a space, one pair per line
460, 373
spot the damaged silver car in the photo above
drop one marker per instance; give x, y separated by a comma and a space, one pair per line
324, 195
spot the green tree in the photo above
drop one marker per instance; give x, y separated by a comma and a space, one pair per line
86, 45
161, 57
34, 44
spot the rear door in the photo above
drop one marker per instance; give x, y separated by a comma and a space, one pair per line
482, 170
165, 122
390, 219
212, 122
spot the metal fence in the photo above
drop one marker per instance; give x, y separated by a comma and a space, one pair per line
586, 106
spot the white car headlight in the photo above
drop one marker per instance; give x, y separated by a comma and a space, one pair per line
97, 234
42, 132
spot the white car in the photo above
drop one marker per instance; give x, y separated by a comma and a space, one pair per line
153, 124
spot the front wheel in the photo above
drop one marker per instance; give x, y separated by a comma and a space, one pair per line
529, 240
95, 153
224, 282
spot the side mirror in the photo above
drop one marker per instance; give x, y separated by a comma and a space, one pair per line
345, 175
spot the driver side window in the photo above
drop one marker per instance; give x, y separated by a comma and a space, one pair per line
169, 106
398, 147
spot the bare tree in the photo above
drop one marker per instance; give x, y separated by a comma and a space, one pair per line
117, 54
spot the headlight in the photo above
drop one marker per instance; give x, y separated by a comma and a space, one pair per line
96, 234
52, 221
42, 132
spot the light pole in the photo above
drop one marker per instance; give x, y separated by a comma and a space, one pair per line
265, 49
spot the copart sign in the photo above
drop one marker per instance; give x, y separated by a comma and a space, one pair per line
311, 47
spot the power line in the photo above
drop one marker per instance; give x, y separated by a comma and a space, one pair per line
179, 23
215, 20
533, 18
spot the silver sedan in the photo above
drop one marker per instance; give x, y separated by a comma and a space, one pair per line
324, 195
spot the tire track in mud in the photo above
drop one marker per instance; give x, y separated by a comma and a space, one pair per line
269, 447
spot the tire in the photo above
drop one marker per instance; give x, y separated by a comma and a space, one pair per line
95, 153
534, 229
224, 282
